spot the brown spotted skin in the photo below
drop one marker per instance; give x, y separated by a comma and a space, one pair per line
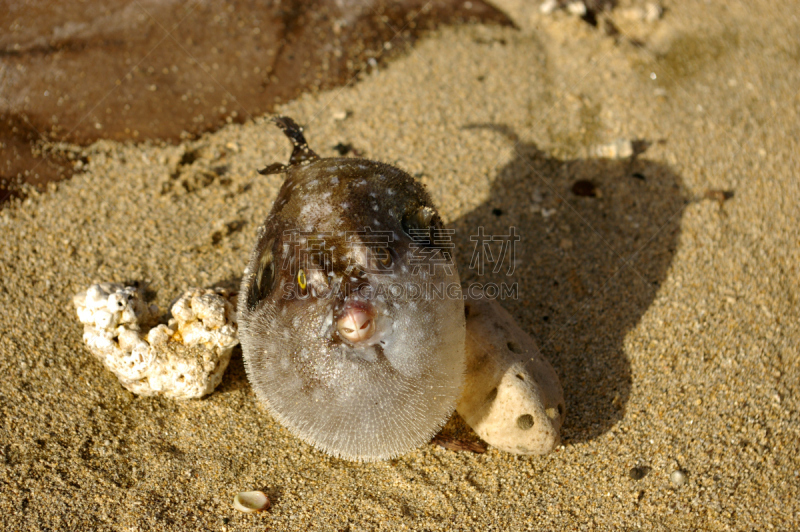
390, 390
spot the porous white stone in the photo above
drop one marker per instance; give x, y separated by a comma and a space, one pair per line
577, 8
618, 149
548, 6
652, 12
512, 397
183, 359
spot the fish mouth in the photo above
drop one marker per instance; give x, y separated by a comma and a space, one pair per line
356, 322
361, 321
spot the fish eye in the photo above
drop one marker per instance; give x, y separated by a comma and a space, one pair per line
421, 224
301, 279
263, 280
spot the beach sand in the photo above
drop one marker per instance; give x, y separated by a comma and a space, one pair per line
669, 312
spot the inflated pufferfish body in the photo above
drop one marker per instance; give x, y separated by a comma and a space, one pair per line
350, 313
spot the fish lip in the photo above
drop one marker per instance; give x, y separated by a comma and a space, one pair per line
356, 303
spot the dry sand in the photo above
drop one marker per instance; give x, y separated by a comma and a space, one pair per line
671, 319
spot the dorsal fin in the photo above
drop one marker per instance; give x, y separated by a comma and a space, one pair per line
301, 154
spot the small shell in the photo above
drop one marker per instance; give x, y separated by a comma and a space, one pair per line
251, 501
678, 477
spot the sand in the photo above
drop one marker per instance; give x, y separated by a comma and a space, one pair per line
671, 316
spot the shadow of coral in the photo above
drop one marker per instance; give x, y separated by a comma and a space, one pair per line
587, 267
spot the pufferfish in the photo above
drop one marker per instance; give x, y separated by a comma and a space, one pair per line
351, 317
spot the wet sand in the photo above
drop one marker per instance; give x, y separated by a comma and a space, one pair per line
170, 70
669, 312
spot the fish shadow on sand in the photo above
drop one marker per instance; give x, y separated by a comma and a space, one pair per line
589, 263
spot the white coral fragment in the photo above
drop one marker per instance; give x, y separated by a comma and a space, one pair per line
182, 360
